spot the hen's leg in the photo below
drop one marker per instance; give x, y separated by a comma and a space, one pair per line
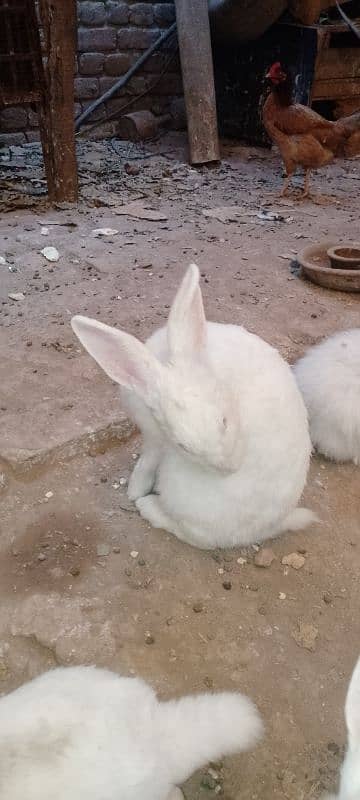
306, 190
285, 186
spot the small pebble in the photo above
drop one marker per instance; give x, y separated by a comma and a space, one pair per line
198, 607
141, 562
264, 557
116, 550
227, 585
241, 561
328, 598
282, 596
149, 639
74, 571
128, 572
134, 553
48, 495
41, 557
294, 560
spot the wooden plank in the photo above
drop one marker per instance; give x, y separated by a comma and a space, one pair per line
308, 11
338, 63
57, 111
333, 89
198, 79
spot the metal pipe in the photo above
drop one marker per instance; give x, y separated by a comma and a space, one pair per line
125, 78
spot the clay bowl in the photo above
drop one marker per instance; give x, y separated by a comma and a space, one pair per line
345, 257
316, 265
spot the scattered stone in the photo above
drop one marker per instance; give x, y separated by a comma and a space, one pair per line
2, 261
262, 610
134, 553
128, 572
102, 550
294, 560
241, 561
98, 232
149, 639
50, 253
49, 495
17, 296
117, 549
41, 557
131, 169
198, 607
264, 557
75, 571
141, 562
306, 635
123, 481
103, 479
328, 598
227, 585
282, 596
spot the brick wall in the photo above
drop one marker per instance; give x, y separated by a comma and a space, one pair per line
112, 34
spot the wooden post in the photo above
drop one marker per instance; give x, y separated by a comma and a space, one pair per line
57, 111
198, 78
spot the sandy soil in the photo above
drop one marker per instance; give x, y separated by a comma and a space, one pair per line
82, 578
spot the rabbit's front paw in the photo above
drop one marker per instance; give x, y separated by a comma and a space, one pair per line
142, 480
143, 476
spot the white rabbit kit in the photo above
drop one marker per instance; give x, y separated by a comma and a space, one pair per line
350, 772
81, 733
329, 379
226, 445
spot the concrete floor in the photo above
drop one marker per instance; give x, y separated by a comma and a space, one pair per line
70, 589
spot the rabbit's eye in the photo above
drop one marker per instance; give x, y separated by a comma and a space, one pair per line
224, 422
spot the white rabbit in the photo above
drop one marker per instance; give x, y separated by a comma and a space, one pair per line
329, 379
350, 773
226, 445
81, 733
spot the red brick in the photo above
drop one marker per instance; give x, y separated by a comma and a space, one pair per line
117, 64
91, 63
118, 13
164, 14
170, 84
13, 119
12, 138
91, 14
96, 40
98, 114
141, 14
86, 88
136, 38
108, 83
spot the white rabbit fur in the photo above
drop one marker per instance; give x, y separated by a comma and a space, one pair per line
350, 772
81, 733
226, 445
329, 379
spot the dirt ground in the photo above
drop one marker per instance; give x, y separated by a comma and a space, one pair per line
82, 578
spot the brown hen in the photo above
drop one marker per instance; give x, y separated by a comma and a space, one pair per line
304, 137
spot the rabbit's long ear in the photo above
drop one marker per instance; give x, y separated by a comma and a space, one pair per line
126, 360
352, 709
186, 328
